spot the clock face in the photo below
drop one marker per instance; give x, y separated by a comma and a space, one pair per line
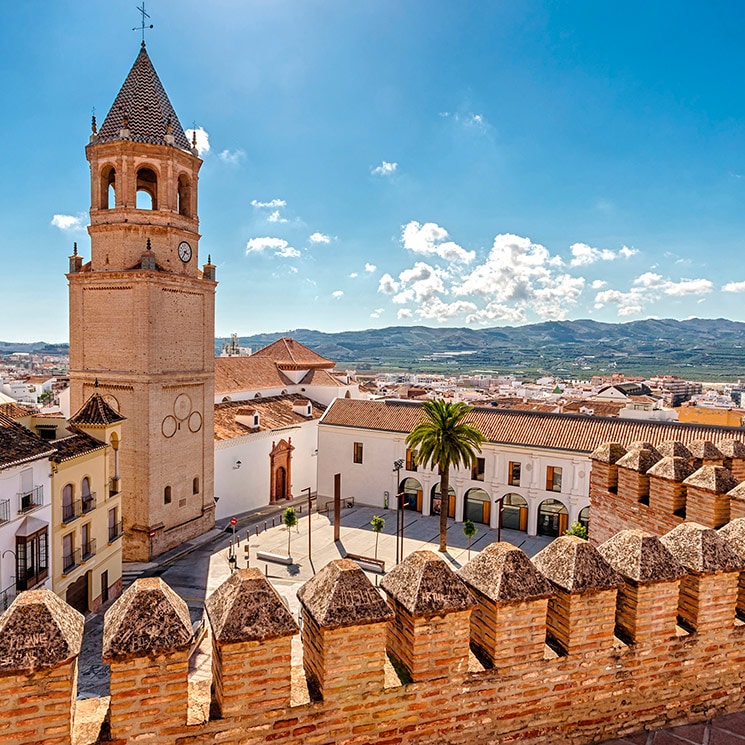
184, 251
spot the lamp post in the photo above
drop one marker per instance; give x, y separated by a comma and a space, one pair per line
397, 466
499, 519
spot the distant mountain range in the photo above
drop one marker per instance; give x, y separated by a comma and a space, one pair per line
696, 348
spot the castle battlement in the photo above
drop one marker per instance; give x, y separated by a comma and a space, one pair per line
657, 488
580, 644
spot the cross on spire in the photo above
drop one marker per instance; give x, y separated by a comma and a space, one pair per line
143, 25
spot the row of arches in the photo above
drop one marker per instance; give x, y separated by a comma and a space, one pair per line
553, 515
146, 190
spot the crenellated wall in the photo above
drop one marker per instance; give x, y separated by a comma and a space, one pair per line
656, 488
579, 645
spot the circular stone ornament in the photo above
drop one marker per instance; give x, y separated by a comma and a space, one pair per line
182, 406
169, 426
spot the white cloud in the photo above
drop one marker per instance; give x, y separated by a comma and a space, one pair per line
430, 239
582, 254
69, 222
404, 313
337, 294
387, 285
276, 217
496, 312
648, 279
384, 169
421, 283
353, 275
203, 139
319, 238
370, 267
734, 287
468, 120
598, 284
437, 310
273, 204
279, 246
377, 313
231, 156
689, 287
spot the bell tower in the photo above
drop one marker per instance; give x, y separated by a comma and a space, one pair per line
142, 315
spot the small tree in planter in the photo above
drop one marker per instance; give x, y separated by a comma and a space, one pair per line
377, 524
469, 530
577, 529
289, 518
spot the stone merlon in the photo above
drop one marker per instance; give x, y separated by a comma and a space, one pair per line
700, 549
673, 448
712, 478
426, 586
672, 468
504, 574
247, 608
38, 631
731, 448
148, 619
734, 535
705, 450
341, 595
576, 566
609, 452
639, 459
641, 558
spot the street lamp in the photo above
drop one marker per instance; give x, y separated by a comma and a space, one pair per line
397, 466
310, 556
499, 518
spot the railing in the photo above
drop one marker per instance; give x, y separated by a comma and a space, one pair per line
30, 500
70, 561
7, 596
115, 531
89, 502
89, 549
71, 511
4, 510
115, 486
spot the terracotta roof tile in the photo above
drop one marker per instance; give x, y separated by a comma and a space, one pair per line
569, 432
13, 410
234, 374
290, 353
274, 412
75, 445
18, 445
96, 412
144, 101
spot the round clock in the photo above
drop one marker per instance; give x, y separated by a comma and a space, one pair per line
184, 251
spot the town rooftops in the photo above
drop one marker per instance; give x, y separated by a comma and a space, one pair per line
142, 107
292, 355
569, 432
74, 446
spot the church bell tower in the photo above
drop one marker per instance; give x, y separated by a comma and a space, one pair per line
142, 316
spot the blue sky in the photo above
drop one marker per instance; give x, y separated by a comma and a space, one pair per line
374, 163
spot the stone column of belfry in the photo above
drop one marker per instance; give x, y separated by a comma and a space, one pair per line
142, 315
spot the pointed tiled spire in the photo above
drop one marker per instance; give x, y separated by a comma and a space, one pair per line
142, 108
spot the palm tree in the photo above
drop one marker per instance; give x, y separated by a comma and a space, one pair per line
445, 440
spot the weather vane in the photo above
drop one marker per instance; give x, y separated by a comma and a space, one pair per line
143, 26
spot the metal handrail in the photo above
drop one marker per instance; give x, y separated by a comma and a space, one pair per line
71, 511
89, 502
30, 500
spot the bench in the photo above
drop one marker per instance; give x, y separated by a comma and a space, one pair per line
277, 558
367, 562
345, 502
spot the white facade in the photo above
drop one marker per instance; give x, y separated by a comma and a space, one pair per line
25, 495
372, 480
243, 472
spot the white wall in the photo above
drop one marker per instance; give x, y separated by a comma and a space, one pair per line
367, 482
10, 486
247, 488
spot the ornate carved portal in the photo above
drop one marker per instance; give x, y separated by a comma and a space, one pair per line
281, 470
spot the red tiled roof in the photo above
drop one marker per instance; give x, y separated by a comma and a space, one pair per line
274, 412
247, 373
95, 411
74, 446
18, 445
572, 432
321, 377
288, 353
16, 411
144, 101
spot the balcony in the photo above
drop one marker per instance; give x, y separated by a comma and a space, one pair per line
89, 502
115, 486
115, 531
71, 511
4, 510
70, 561
30, 500
89, 549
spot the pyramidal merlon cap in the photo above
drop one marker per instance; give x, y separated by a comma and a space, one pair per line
143, 104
